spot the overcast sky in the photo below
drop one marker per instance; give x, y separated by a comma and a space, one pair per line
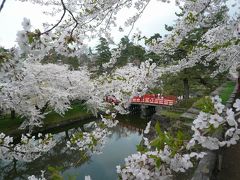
155, 16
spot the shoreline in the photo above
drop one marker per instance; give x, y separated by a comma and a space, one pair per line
46, 128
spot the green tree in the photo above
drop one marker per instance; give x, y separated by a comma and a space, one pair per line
103, 52
131, 54
73, 62
199, 72
4, 54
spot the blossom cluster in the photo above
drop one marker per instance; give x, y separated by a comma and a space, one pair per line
29, 148
33, 177
109, 122
205, 124
157, 164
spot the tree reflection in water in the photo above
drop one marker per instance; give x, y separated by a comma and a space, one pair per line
61, 155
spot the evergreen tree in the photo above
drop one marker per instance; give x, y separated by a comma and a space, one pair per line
103, 52
131, 54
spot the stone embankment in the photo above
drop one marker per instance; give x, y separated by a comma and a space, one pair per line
213, 160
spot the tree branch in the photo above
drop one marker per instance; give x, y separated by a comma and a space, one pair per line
76, 21
1, 7
139, 14
60, 20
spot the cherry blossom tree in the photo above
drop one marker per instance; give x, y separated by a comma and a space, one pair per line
38, 87
28, 87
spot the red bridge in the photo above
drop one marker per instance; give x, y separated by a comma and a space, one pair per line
154, 99
148, 99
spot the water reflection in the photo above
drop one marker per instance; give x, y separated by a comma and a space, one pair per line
60, 156
121, 143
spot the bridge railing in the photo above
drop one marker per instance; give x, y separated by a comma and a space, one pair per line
147, 99
155, 99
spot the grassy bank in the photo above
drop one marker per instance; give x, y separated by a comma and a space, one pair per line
171, 114
175, 112
227, 91
7, 124
77, 111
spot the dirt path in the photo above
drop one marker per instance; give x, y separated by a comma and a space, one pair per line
230, 164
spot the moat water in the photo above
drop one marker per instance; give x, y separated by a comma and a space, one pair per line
73, 164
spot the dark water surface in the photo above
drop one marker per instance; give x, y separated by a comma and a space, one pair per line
121, 143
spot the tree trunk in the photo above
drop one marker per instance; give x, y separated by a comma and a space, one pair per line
67, 135
186, 88
13, 114
44, 108
238, 84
